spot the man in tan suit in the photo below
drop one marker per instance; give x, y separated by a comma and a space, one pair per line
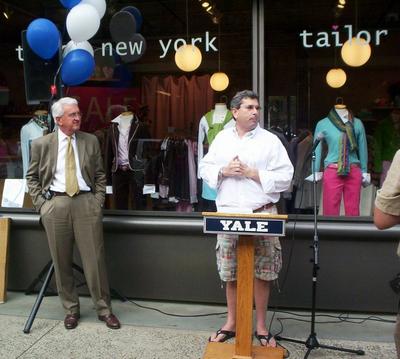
66, 181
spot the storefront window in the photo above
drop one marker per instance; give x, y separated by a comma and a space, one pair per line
303, 42
136, 91
138, 88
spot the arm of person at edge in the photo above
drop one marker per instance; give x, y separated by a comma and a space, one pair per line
387, 202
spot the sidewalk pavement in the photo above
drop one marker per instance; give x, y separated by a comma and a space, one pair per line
148, 334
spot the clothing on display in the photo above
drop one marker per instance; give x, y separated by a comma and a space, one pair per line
38, 125
210, 125
172, 173
302, 190
345, 164
124, 165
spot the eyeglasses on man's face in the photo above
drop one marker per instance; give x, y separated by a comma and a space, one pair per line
251, 107
74, 114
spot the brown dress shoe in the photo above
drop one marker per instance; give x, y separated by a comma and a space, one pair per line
71, 321
111, 321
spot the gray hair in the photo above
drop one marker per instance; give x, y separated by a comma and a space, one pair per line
237, 99
57, 109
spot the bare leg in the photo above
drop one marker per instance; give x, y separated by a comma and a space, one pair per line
261, 297
230, 323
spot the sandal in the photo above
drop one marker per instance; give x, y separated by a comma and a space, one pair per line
267, 338
226, 335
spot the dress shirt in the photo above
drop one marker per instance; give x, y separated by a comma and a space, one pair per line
123, 152
258, 149
58, 183
124, 126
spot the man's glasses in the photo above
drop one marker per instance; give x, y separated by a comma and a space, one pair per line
74, 115
252, 107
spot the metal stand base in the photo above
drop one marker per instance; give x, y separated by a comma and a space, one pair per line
40, 279
50, 270
312, 343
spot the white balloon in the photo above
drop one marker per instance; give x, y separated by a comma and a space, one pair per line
83, 21
99, 5
72, 45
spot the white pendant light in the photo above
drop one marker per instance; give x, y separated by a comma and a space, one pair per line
188, 58
219, 81
336, 78
356, 52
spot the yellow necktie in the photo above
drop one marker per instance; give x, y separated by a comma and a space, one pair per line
71, 182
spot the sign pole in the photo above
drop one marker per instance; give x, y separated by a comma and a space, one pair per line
244, 297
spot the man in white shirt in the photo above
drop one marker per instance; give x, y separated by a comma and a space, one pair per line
249, 167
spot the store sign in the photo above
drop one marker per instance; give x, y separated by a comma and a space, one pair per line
132, 48
136, 48
334, 38
208, 44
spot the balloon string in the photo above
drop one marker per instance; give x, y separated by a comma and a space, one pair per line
56, 74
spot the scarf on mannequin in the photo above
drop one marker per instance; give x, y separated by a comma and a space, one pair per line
347, 141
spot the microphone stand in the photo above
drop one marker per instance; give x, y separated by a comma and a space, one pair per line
312, 340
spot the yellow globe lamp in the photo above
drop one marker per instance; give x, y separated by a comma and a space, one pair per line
188, 58
219, 81
336, 78
356, 52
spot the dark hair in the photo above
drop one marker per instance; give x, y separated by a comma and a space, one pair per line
237, 99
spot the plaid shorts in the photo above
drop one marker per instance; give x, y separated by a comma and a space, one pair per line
267, 257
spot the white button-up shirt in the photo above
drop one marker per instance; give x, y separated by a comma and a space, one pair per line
58, 183
258, 149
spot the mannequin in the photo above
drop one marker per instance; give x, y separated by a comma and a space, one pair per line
210, 124
345, 165
36, 127
121, 159
220, 111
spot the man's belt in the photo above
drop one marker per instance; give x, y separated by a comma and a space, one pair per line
264, 207
55, 193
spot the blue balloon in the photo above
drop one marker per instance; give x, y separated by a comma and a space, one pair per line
43, 38
137, 14
69, 4
77, 67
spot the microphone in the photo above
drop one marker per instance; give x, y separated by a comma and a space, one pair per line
318, 139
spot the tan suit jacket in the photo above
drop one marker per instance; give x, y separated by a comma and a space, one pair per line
43, 164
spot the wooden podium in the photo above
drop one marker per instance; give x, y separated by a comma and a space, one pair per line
246, 226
